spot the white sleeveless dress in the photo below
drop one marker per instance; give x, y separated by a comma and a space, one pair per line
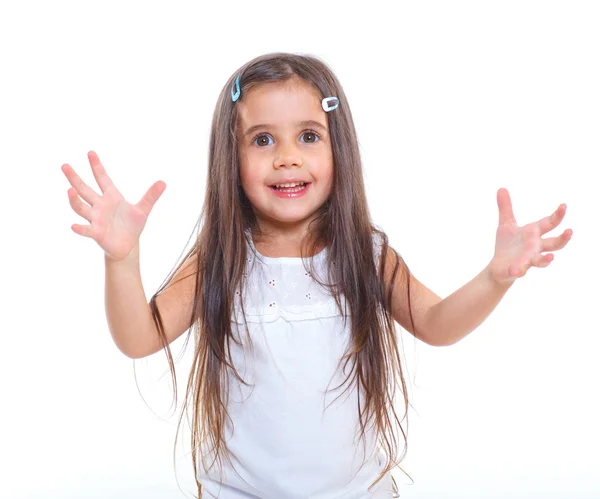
289, 437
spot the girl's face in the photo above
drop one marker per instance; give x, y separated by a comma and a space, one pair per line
282, 135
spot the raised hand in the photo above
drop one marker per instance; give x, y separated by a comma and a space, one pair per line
115, 224
520, 248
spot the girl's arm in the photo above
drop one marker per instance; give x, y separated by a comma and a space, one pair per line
444, 322
422, 299
116, 226
128, 312
454, 317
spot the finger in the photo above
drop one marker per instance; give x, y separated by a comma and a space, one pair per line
83, 230
102, 178
505, 207
556, 243
546, 224
541, 261
151, 197
85, 191
518, 269
82, 209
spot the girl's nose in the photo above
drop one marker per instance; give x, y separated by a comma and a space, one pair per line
288, 155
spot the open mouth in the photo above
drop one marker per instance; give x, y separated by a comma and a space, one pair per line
297, 188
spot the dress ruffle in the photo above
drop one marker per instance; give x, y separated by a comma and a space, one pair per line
290, 313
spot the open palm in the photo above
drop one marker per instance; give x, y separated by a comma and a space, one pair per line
520, 248
115, 224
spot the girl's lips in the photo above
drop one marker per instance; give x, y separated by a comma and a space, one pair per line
291, 195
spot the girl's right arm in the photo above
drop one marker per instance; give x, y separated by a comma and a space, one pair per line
128, 313
116, 226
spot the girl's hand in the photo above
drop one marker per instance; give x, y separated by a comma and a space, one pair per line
520, 248
115, 224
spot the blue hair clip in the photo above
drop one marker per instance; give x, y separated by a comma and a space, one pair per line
235, 96
325, 103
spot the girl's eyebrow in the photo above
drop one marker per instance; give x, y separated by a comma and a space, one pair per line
311, 123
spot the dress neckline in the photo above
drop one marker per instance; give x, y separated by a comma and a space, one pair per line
292, 260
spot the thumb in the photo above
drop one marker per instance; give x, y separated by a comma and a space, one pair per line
505, 209
151, 197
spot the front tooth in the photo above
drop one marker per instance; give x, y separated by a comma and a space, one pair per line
289, 185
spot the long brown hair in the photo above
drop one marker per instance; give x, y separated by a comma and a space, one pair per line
342, 223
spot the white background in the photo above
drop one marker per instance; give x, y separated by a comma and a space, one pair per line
452, 100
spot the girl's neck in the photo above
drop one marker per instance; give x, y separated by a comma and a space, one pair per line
280, 246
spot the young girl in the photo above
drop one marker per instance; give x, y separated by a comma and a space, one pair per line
291, 292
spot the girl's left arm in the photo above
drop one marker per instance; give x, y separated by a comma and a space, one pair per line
454, 317
444, 322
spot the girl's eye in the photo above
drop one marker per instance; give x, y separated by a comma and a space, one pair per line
314, 137
263, 139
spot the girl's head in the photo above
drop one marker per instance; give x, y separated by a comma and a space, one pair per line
282, 137
275, 131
